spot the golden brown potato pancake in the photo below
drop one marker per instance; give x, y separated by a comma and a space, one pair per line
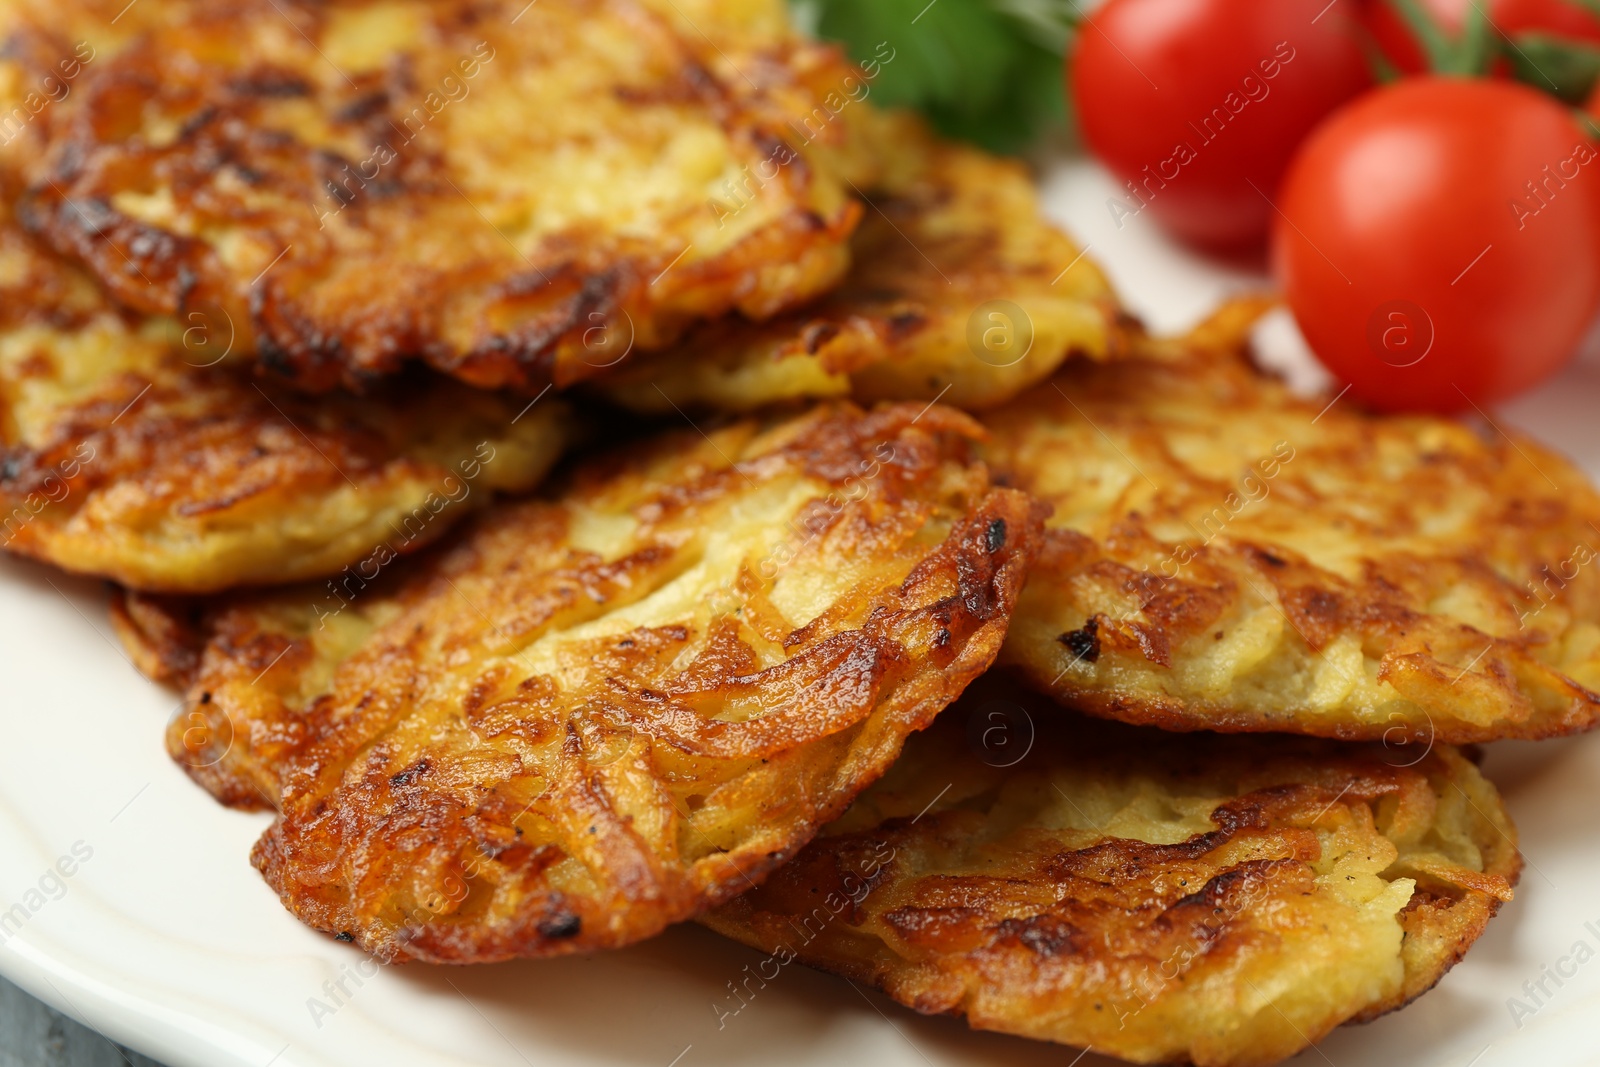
1225, 556
515, 193
1223, 901
132, 451
959, 288
598, 715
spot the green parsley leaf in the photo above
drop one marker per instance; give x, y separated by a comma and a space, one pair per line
987, 71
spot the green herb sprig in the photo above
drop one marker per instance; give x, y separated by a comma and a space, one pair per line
986, 71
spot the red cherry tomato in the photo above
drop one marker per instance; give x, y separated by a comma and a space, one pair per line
1198, 105
1440, 242
1559, 18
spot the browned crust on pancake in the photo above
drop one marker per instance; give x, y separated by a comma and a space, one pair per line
533, 742
358, 197
1226, 556
961, 887
136, 450
954, 249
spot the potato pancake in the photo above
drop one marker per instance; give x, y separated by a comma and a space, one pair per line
959, 289
516, 193
129, 451
1226, 556
600, 714
1222, 901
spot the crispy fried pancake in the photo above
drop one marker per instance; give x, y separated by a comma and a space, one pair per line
1225, 556
595, 716
1218, 900
131, 450
959, 288
513, 192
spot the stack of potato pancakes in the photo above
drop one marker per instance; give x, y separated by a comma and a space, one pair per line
589, 468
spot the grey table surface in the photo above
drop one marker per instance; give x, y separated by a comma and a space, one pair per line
32, 1035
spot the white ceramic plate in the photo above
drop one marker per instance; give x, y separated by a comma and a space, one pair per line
166, 940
